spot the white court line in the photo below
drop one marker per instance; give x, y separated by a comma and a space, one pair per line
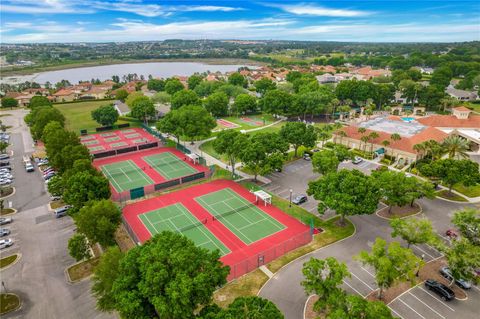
411, 308
426, 305
437, 299
358, 292
362, 281
368, 272
423, 251
395, 312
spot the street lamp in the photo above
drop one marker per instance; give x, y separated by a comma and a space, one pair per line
290, 204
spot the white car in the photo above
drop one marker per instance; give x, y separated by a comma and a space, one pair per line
4, 243
5, 175
5, 182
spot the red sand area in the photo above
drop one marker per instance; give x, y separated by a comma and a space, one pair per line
136, 157
110, 140
240, 252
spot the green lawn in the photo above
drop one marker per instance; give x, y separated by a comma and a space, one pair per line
8, 302
4, 262
79, 115
444, 194
469, 191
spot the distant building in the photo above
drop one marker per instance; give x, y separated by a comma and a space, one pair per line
121, 108
461, 95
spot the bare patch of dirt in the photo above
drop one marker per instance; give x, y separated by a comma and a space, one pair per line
123, 239
399, 211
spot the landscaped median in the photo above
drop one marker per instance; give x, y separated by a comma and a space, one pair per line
9, 302
445, 194
251, 283
9, 260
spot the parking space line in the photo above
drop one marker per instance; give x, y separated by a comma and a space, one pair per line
395, 312
368, 272
362, 281
476, 287
426, 305
423, 251
282, 191
437, 299
312, 209
411, 308
273, 189
358, 292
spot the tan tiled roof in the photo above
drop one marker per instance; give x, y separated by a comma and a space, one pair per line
473, 121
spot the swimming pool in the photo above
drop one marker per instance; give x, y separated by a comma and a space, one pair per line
408, 119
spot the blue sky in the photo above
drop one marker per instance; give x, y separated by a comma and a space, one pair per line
25, 21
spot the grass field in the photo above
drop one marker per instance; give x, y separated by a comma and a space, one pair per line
244, 219
125, 175
169, 165
177, 218
79, 115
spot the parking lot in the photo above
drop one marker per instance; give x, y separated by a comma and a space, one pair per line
365, 166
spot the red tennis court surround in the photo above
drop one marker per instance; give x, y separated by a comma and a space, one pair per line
243, 258
106, 141
137, 158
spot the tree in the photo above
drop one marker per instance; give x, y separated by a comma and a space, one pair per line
431, 96
354, 307
467, 222
156, 85
451, 172
170, 124
184, 97
142, 109
313, 102
297, 134
134, 97
398, 189
78, 247
463, 259
161, 97
392, 263
99, 220
83, 186
195, 121
39, 117
55, 186
173, 85
217, 104
456, 147
167, 277
244, 103
3, 146
237, 79
230, 143
105, 274
39, 100
277, 102
263, 85
121, 95
69, 154
9, 102
325, 162
413, 230
105, 115
251, 307
193, 81
346, 192
441, 76
254, 156
323, 277
409, 90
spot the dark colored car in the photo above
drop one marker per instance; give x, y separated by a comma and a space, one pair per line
440, 289
299, 199
451, 233
446, 273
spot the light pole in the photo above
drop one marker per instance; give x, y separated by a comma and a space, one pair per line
290, 203
4, 287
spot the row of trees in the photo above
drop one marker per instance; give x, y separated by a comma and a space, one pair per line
169, 277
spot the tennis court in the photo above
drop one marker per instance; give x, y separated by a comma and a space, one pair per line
117, 139
169, 166
240, 216
125, 175
177, 218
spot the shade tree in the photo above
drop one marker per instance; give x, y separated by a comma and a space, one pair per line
184, 97
230, 143
105, 115
413, 230
298, 134
244, 103
217, 104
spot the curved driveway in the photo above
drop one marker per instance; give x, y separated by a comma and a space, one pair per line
285, 290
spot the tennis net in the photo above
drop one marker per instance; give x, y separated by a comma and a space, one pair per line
161, 164
193, 225
233, 211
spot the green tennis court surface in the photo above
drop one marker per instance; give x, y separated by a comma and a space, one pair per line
96, 148
133, 135
243, 218
169, 165
112, 139
108, 134
86, 138
92, 142
140, 140
118, 144
125, 175
128, 131
177, 218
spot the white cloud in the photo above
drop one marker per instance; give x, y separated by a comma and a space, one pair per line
42, 7
207, 8
314, 10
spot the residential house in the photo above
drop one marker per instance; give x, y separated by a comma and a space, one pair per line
121, 108
65, 95
461, 95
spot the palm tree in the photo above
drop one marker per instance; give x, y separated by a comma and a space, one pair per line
456, 147
395, 137
343, 109
434, 149
365, 140
342, 135
372, 136
385, 144
420, 148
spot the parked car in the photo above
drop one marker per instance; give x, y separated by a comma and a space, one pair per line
4, 232
4, 243
299, 199
49, 175
5, 220
4, 157
451, 233
307, 157
357, 160
4, 163
6, 167
29, 167
446, 273
5, 181
48, 172
54, 198
62, 211
440, 289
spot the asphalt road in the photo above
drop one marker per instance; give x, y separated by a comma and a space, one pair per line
284, 288
38, 277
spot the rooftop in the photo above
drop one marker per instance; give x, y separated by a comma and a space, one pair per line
405, 129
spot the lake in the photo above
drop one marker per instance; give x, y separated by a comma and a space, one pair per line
105, 72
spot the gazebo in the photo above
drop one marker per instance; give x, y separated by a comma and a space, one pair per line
266, 197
